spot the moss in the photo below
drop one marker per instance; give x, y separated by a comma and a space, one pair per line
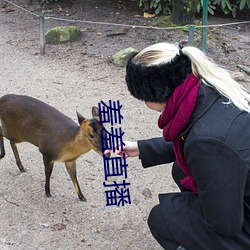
121, 58
63, 34
163, 22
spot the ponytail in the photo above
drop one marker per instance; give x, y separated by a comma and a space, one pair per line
202, 67
218, 78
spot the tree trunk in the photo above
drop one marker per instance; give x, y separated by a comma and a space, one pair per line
2, 3
183, 11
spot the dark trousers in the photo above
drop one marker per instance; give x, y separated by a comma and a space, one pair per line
156, 222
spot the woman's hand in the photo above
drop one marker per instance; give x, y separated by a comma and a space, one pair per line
130, 150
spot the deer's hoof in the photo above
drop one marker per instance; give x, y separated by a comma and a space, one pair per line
48, 195
82, 198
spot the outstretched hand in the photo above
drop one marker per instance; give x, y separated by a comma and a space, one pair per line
129, 150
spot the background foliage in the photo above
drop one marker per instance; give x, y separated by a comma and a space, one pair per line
165, 6
227, 6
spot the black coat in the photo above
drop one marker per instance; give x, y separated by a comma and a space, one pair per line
216, 145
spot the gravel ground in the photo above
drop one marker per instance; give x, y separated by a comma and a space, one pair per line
77, 76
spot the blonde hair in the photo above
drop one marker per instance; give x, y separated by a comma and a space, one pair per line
202, 67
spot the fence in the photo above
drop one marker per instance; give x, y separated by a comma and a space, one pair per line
191, 28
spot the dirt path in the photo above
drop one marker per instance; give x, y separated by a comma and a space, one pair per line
70, 81
74, 77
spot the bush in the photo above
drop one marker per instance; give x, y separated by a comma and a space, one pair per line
47, 1
232, 6
156, 6
165, 6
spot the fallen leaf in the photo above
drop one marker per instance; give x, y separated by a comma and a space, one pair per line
58, 227
146, 192
147, 15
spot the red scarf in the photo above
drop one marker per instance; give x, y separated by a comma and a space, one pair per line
174, 119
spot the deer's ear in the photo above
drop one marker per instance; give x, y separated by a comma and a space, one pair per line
80, 118
95, 111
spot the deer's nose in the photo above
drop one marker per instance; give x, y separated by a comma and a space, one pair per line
107, 155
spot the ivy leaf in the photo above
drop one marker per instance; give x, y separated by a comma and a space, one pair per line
242, 4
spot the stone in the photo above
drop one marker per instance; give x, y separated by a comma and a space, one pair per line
2, 3
239, 76
63, 34
244, 68
147, 193
121, 58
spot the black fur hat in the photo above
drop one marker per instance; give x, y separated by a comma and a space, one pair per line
156, 83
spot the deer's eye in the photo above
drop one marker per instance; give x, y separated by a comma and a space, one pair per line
91, 136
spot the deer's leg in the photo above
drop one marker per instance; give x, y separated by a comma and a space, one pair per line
71, 168
1, 144
48, 165
18, 161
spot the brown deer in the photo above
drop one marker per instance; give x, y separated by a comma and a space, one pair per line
59, 138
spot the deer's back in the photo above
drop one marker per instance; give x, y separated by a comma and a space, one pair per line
24, 118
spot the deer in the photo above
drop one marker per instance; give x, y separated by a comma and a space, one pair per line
58, 138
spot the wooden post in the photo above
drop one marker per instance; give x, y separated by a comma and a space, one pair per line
191, 35
2, 3
204, 24
42, 31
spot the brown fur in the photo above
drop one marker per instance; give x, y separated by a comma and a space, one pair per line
59, 138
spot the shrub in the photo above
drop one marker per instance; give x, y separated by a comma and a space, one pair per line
165, 6
157, 6
47, 1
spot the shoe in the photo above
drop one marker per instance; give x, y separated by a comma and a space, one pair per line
181, 248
